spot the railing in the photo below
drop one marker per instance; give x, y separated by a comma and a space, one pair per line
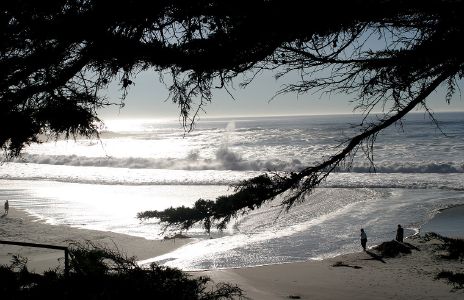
65, 249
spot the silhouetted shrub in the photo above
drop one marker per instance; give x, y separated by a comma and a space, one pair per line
102, 273
456, 279
454, 247
392, 248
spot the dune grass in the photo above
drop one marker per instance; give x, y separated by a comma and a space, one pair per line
456, 279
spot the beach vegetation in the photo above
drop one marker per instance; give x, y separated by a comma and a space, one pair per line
99, 272
58, 58
454, 247
454, 250
456, 279
393, 248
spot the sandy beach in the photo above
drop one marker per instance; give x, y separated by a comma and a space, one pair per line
358, 276
20, 227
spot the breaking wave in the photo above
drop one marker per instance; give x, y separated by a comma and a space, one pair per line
225, 159
409, 167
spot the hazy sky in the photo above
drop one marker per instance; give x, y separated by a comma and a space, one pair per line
147, 97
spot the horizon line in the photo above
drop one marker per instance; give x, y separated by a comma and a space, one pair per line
172, 118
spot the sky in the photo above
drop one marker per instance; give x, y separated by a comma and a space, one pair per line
147, 99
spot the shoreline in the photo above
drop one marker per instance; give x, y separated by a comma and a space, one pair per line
419, 232
107, 236
358, 275
447, 221
18, 226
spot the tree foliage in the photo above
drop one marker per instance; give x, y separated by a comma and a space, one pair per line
56, 58
184, 217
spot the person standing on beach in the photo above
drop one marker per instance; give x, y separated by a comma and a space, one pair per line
7, 207
399, 234
363, 239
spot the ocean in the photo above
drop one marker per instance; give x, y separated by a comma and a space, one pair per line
139, 165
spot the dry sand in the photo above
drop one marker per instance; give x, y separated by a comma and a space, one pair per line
362, 276
410, 276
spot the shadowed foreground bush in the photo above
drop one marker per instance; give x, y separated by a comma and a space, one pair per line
454, 251
394, 248
453, 246
456, 279
102, 273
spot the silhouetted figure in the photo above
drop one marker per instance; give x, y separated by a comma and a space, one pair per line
7, 207
399, 234
363, 239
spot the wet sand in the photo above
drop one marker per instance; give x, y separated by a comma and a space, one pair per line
447, 222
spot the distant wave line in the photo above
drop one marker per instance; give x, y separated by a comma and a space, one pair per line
227, 160
332, 183
115, 182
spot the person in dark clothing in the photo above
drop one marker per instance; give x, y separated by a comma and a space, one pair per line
363, 239
7, 208
399, 234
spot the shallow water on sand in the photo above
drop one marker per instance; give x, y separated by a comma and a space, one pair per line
447, 222
326, 225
